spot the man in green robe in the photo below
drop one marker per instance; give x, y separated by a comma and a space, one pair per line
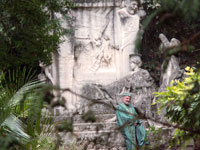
132, 129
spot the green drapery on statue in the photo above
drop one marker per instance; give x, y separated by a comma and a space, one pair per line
134, 135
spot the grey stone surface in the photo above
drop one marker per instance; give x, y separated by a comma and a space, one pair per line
99, 117
94, 126
103, 139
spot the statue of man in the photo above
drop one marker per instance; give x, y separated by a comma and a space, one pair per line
138, 77
139, 83
128, 29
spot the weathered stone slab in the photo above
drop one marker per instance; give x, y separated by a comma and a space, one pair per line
98, 117
94, 126
98, 126
97, 3
103, 139
96, 106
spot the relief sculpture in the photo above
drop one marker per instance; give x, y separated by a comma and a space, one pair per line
96, 51
128, 22
104, 54
129, 28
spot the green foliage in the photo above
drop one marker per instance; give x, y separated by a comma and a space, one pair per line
66, 126
13, 80
7, 141
151, 5
44, 138
176, 19
187, 9
182, 102
29, 31
10, 124
10, 102
89, 116
23, 121
20, 115
190, 9
46, 142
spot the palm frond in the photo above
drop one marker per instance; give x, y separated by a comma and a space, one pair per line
16, 127
27, 88
8, 103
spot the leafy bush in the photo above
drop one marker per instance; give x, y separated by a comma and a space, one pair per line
182, 102
30, 31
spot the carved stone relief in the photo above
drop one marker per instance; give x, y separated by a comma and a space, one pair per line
94, 49
104, 57
98, 51
129, 26
97, 55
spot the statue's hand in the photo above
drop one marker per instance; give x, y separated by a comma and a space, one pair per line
123, 14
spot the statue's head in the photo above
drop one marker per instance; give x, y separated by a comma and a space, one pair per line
97, 40
132, 7
174, 42
135, 61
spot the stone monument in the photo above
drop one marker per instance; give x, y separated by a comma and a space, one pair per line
98, 49
99, 61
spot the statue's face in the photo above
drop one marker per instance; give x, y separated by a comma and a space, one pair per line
126, 100
135, 62
134, 5
133, 65
132, 8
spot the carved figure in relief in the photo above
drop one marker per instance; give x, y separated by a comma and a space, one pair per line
173, 70
104, 53
46, 73
140, 84
96, 41
127, 18
127, 33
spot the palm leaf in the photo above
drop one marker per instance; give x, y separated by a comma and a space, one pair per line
8, 103
16, 127
29, 87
